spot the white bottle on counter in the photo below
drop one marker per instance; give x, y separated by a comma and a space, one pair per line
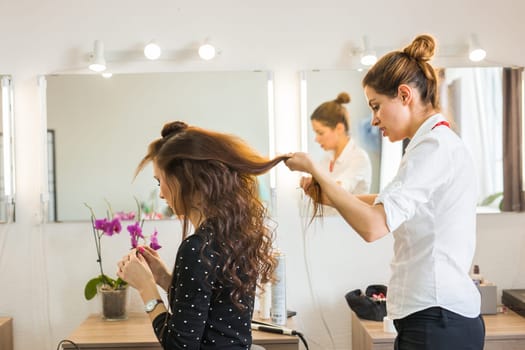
278, 309
265, 300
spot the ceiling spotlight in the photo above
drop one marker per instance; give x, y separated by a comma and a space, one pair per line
476, 53
207, 52
152, 51
107, 75
98, 63
368, 57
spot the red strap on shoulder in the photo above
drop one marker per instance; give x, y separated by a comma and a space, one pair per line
443, 122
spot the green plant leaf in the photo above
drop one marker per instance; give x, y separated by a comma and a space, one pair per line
487, 201
120, 283
110, 282
90, 290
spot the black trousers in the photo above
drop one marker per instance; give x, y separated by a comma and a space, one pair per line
438, 329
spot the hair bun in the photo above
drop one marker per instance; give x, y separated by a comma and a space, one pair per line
422, 48
343, 97
173, 128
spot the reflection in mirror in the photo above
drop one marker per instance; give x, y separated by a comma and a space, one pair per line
7, 185
322, 86
99, 130
470, 97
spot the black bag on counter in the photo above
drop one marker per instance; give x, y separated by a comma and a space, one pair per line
367, 306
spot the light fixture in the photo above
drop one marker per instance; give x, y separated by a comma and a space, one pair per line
8, 144
368, 57
107, 75
270, 89
152, 51
304, 112
476, 53
44, 180
271, 125
207, 51
98, 63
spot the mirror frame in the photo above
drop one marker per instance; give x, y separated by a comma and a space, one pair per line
268, 189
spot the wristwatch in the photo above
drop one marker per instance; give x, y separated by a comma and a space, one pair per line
152, 304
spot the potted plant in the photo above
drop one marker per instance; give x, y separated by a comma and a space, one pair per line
114, 291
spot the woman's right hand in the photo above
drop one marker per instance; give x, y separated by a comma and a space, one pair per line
300, 161
160, 271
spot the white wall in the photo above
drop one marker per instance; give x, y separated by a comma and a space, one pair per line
43, 267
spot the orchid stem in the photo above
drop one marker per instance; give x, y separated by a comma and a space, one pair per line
97, 244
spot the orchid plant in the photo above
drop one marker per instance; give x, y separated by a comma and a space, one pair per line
110, 226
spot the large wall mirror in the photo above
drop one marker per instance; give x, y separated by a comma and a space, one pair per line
470, 97
99, 129
7, 185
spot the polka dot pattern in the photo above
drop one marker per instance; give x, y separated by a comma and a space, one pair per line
202, 315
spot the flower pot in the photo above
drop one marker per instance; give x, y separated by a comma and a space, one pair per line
114, 302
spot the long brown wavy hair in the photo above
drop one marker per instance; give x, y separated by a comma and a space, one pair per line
219, 170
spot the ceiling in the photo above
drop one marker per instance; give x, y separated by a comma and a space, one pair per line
41, 37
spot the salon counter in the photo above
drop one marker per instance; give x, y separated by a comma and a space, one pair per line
136, 333
504, 331
6, 333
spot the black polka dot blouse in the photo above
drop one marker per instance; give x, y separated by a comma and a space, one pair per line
201, 315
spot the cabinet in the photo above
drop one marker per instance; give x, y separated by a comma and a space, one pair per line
504, 331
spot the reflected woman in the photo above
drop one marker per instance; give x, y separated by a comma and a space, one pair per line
347, 163
209, 181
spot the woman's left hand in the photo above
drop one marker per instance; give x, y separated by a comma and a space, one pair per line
134, 269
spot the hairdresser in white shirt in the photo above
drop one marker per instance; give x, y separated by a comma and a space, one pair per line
347, 163
429, 207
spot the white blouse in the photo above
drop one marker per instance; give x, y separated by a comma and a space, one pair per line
430, 207
352, 169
